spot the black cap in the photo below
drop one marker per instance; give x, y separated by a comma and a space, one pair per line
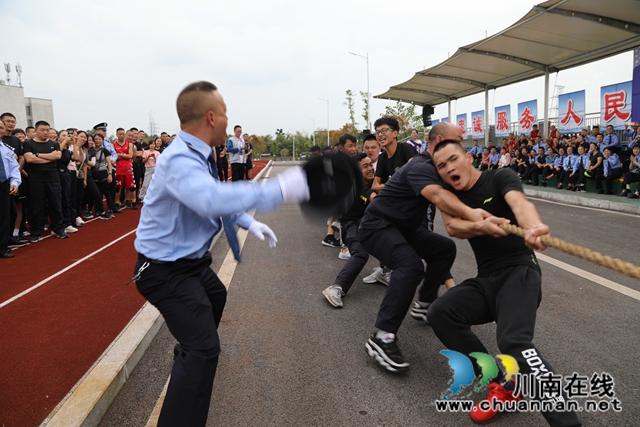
102, 126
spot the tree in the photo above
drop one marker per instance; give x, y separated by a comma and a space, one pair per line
365, 111
406, 116
259, 145
350, 104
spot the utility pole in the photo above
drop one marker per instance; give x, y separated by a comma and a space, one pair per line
327, 101
366, 58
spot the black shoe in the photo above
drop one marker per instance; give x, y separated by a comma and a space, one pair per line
134, 206
634, 196
62, 235
16, 242
116, 209
544, 183
127, 204
6, 255
624, 193
331, 241
609, 192
34, 239
386, 354
600, 191
419, 310
104, 215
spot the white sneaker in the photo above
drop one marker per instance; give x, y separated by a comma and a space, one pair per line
70, 229
344, 255
372, 277
336, 226
79, 220
384, 276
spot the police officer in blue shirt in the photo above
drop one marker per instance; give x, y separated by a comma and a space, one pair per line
180, 217
9, 181
611, 140
476, 150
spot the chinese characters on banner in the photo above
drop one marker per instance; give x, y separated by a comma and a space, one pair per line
615, 105
477, 124
527, 116
461, 121
444, 120
503, 121
571, 111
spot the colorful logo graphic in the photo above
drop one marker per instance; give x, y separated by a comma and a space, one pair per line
464, 375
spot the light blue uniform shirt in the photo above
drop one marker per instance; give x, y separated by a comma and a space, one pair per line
111, 149
558, 160
612, 162
569, 161
476, 150
11, 166
183, 204
494, 158
591, 138
610, 140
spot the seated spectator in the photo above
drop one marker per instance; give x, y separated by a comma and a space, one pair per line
539, 162
632, 134
485, 162
611, 140
521, 161
531, 169
494, 158
595, 166
476, 151
612, 170
535, 132
554, 133
580, 164
505, 159
539, 143
595, 130
549, 168
632, 176
567, 168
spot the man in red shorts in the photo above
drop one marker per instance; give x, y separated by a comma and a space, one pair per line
124, 167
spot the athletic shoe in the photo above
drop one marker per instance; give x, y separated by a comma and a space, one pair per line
633, 196
331, 241
624, 193
70, 229
111, 215
336, 226
344, 255
372, 277
24, 234
116, 209
387, 354
134, 206
16, 242
497, 392
104, 215
34, 239
334, 295
419, 310
88, 216
46, 227
384, 276
6, 255
127, 204
62, 235
79, 221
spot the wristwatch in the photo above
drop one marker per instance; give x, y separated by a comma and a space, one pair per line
37, 154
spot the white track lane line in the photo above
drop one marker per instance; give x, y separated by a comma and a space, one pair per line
64, 270
582, 207
590, 276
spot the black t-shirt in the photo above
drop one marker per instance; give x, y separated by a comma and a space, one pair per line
356, 211
219, 151
593, 159
13, 142
137, 162
46, 172
488, 193
386, 166
400, 202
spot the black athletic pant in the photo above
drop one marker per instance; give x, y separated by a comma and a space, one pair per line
403, 253
237, 172
191, 298
65, 193
608, 180
630, 177
510, 297
223, 169
77, 202
104, 189
13, 212
44, 200
5, 226
532, 173
359, 256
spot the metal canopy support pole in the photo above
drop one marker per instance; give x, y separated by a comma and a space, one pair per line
486, 116
545, 124
449, 105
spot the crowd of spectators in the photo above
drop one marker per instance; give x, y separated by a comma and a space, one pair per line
70, 176
570, 159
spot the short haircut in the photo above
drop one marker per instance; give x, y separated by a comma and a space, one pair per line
134, 129
119, 129
6, 115
191, 103
347, 137
236, 127
17, 131
315, 148
327, 148
446, 142
98, 135
360, 156
41, 123
246, 134
390, 121
600, 134
28, 128
606, 148
371, 137
438, 129
164, 133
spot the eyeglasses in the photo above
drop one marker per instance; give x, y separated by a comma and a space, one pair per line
381, 131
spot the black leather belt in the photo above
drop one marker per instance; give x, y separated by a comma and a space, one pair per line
151, 261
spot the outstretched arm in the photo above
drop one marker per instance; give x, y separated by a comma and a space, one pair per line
528, 218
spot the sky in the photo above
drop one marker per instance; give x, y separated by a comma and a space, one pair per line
125, 61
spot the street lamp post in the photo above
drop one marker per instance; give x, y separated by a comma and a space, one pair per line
327, 101
314, 129
366, 58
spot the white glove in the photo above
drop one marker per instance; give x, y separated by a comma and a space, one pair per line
260, 230
293, 184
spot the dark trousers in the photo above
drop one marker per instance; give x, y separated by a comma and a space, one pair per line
191, 298
510, 297
65, 193
403, 253
630, 177
44, 197
77, 200
5, 226
608, 180
532, 173
223, 169
13, 212
104, 189
359, 256
237, 172
112, 186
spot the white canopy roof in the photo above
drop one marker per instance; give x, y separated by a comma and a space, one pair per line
554, 35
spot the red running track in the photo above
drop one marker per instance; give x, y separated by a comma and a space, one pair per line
51, 336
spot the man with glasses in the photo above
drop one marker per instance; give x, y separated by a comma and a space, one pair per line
394, 155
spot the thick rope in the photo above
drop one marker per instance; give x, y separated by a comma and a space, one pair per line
595, 257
